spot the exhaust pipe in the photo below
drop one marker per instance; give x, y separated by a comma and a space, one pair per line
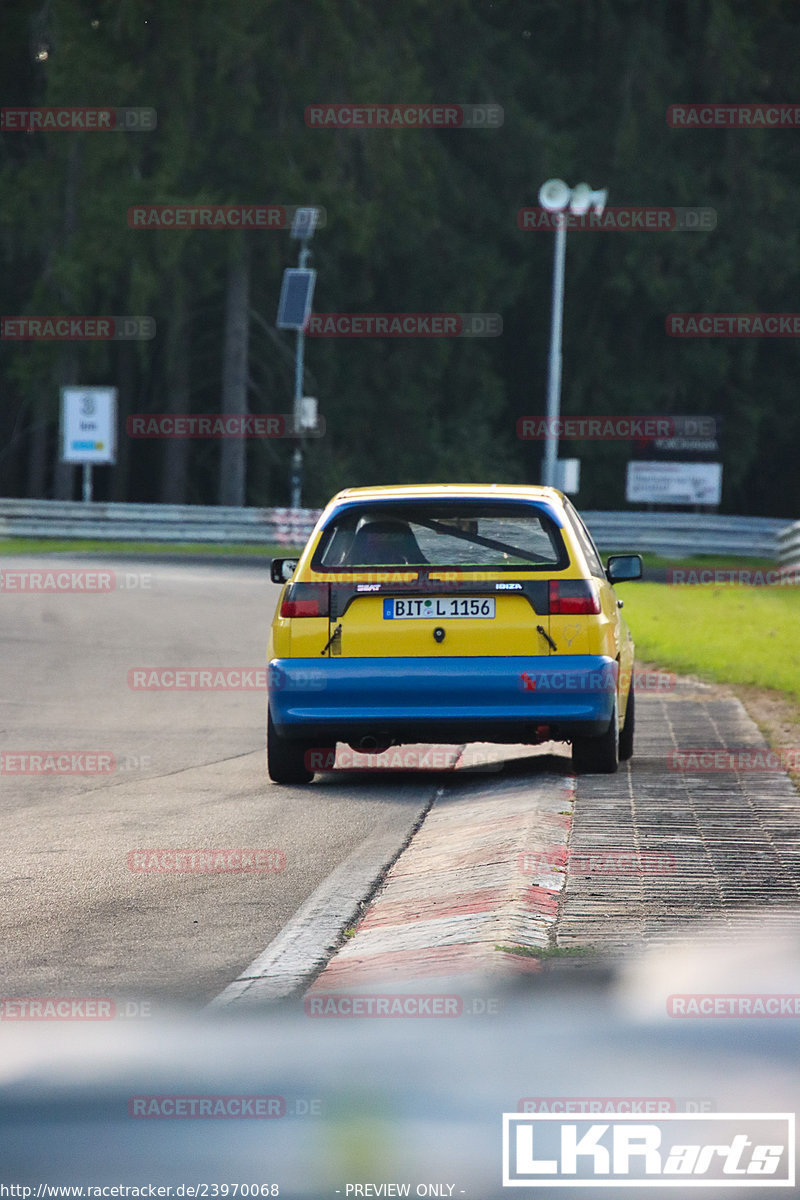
371, 744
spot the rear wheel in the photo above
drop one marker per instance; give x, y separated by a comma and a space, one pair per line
626, 735
598, 755
286, 760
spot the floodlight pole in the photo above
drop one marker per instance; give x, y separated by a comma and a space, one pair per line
557, 198
554, 373
299, 371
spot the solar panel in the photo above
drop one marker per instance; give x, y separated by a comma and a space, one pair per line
297, 294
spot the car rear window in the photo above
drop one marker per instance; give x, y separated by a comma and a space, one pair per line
454, 536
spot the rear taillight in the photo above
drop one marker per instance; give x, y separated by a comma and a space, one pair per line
300, 608
306, 600
572, 596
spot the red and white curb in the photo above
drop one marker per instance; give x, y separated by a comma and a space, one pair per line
483, 872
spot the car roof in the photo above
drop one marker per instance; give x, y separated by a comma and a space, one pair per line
438, 491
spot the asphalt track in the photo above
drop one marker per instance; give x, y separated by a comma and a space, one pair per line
81, 919
188, 773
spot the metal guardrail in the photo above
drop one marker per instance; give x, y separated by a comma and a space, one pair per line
672, 534
789, 545
664, 533
155, 522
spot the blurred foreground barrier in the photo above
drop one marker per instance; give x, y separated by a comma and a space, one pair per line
669, 534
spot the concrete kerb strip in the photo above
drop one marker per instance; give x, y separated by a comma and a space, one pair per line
307, 941
461, 867
457, 892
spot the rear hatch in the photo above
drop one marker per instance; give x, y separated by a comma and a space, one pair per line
436, 618
450, 579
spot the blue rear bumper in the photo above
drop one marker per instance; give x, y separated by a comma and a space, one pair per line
424, 699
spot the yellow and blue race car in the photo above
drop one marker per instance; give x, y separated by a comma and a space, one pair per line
449, 613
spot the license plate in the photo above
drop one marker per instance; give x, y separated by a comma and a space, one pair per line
436, 607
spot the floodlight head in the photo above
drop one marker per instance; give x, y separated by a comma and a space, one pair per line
554, 195
599, 200
581, 199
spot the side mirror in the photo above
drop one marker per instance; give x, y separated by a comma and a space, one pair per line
281, 570
622, 567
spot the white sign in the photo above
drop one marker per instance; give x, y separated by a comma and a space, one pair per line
674, 483
568, 475
308, 412
89, 425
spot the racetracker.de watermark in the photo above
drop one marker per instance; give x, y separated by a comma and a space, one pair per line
607, 679
72, 119
696, 1004
216, 216
375, 580
612, 1104
348, 1006
14, 580
733, 325
654, 681
732, 577
202, 1107
73, 1008
630, 219
301, 679
743, 758
733, 116
403, 325
404, 116
77, 329
210, 425
57, 762
57, 1008
398, 758
207, 861
197, 679
615, 429
597, 862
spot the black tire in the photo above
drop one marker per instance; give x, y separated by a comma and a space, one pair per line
598, 755
626, 733
286, 761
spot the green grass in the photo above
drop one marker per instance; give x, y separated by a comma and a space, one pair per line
84, 546
730, 561
741, 634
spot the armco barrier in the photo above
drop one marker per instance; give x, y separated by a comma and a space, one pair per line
664, 533
673, 534
789, 545
155, 522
